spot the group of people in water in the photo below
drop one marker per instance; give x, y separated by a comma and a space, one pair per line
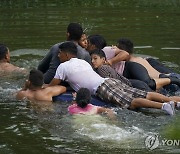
90, 67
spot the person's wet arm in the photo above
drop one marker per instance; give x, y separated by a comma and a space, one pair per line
120, 55
107, 111
54, 82
57, 90
44, 63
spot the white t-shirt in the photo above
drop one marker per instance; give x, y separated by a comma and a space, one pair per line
79, 74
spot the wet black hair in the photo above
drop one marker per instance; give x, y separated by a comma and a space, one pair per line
83, 97
125, 44
75, 32
98, 41
36, 77
3, 51
69, 47
98, 52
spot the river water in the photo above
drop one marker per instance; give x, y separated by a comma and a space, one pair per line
30, 28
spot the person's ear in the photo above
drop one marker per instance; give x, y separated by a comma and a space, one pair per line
7, 57
67, 55
67, 35
27, 84
104, 59
93, 46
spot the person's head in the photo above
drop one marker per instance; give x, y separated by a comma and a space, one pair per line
98, 58
35, 78
83, 97
67, 50
83, 41
125, 44
96, 42
4, 53
74, 32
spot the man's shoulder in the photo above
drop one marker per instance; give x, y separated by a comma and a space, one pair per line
65, 64
74, 62
82, 50
136, 59
22, 94
55, 47
105, 67
109, 52
8, 67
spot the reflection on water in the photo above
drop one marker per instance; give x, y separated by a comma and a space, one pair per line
30, 28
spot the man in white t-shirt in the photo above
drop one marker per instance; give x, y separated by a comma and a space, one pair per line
79, 74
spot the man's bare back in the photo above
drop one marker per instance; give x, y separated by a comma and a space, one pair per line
41, 94
7, 68
151, 71
34, 89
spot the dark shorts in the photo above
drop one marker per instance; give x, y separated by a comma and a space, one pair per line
116, 92
159, 66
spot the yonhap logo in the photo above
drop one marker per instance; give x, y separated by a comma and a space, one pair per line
152, 142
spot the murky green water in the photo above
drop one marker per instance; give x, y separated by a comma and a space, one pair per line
30, 28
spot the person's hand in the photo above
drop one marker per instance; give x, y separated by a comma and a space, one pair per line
115, 47
108, 62
45, 86
26, 85
111, 114
74, 96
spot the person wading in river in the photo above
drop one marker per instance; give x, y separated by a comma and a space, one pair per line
34, 91
5, 66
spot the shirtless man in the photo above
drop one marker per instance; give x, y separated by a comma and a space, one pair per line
128, 46
5, 66
34, 90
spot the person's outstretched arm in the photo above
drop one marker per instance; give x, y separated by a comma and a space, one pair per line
57, 90
107, 111
44, 63
55, 82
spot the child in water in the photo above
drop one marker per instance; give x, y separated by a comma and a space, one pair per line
82, 105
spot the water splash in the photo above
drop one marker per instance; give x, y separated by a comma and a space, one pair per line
101, 129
